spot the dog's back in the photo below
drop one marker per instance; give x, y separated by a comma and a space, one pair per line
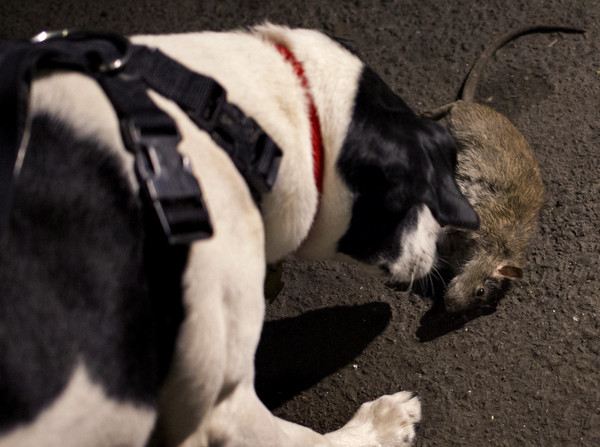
77, 320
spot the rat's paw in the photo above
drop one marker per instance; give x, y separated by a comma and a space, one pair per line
387, 422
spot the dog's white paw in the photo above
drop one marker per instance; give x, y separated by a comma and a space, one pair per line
386, 422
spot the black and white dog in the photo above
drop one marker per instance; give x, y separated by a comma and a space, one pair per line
107, 335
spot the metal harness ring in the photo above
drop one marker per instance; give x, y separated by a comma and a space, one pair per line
120, 42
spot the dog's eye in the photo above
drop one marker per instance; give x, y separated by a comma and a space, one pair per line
480, 291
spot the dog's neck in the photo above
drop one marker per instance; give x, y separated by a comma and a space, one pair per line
264, 85
332, 75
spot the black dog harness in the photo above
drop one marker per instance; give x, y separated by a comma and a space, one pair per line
126, 72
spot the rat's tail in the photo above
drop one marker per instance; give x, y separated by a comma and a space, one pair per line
470, 84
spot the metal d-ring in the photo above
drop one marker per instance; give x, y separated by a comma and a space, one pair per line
120, 42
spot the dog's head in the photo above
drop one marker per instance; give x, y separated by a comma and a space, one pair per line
388, 184
399, 170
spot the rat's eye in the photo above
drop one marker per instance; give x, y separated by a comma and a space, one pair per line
480, 291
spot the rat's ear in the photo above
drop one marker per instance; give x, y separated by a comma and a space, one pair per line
510, 271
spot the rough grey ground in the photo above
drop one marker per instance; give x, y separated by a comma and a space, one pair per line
528, 374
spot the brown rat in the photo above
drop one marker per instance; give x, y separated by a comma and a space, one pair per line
500, 177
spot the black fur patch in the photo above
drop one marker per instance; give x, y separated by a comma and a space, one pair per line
393, 161
82, 279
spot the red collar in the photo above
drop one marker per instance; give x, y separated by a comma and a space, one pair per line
316, 138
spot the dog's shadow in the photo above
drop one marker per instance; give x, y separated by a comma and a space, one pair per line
296, 353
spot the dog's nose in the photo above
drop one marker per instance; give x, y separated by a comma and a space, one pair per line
385, 269
443, 242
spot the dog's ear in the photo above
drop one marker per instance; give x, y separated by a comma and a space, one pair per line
394, 162
449, 207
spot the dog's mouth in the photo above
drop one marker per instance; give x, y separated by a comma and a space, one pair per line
406, 273
385, 270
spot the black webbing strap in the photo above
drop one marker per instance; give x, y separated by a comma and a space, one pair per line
126, 72
165, 178
255, 155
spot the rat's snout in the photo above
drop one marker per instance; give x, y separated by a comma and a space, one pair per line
455, 302
456, 307
467, 289
466, 293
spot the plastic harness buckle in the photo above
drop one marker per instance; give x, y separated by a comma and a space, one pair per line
166, 178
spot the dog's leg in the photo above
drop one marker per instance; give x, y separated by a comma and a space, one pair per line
241, 420
210, 400
387, 421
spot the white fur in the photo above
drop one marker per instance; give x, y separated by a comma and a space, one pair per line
70, 96
84, 416
418, 249
388, 420
332, 74
208, 398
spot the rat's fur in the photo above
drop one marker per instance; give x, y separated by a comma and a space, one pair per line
499, 175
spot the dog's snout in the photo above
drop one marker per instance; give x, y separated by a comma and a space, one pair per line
442, 242
385, 269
